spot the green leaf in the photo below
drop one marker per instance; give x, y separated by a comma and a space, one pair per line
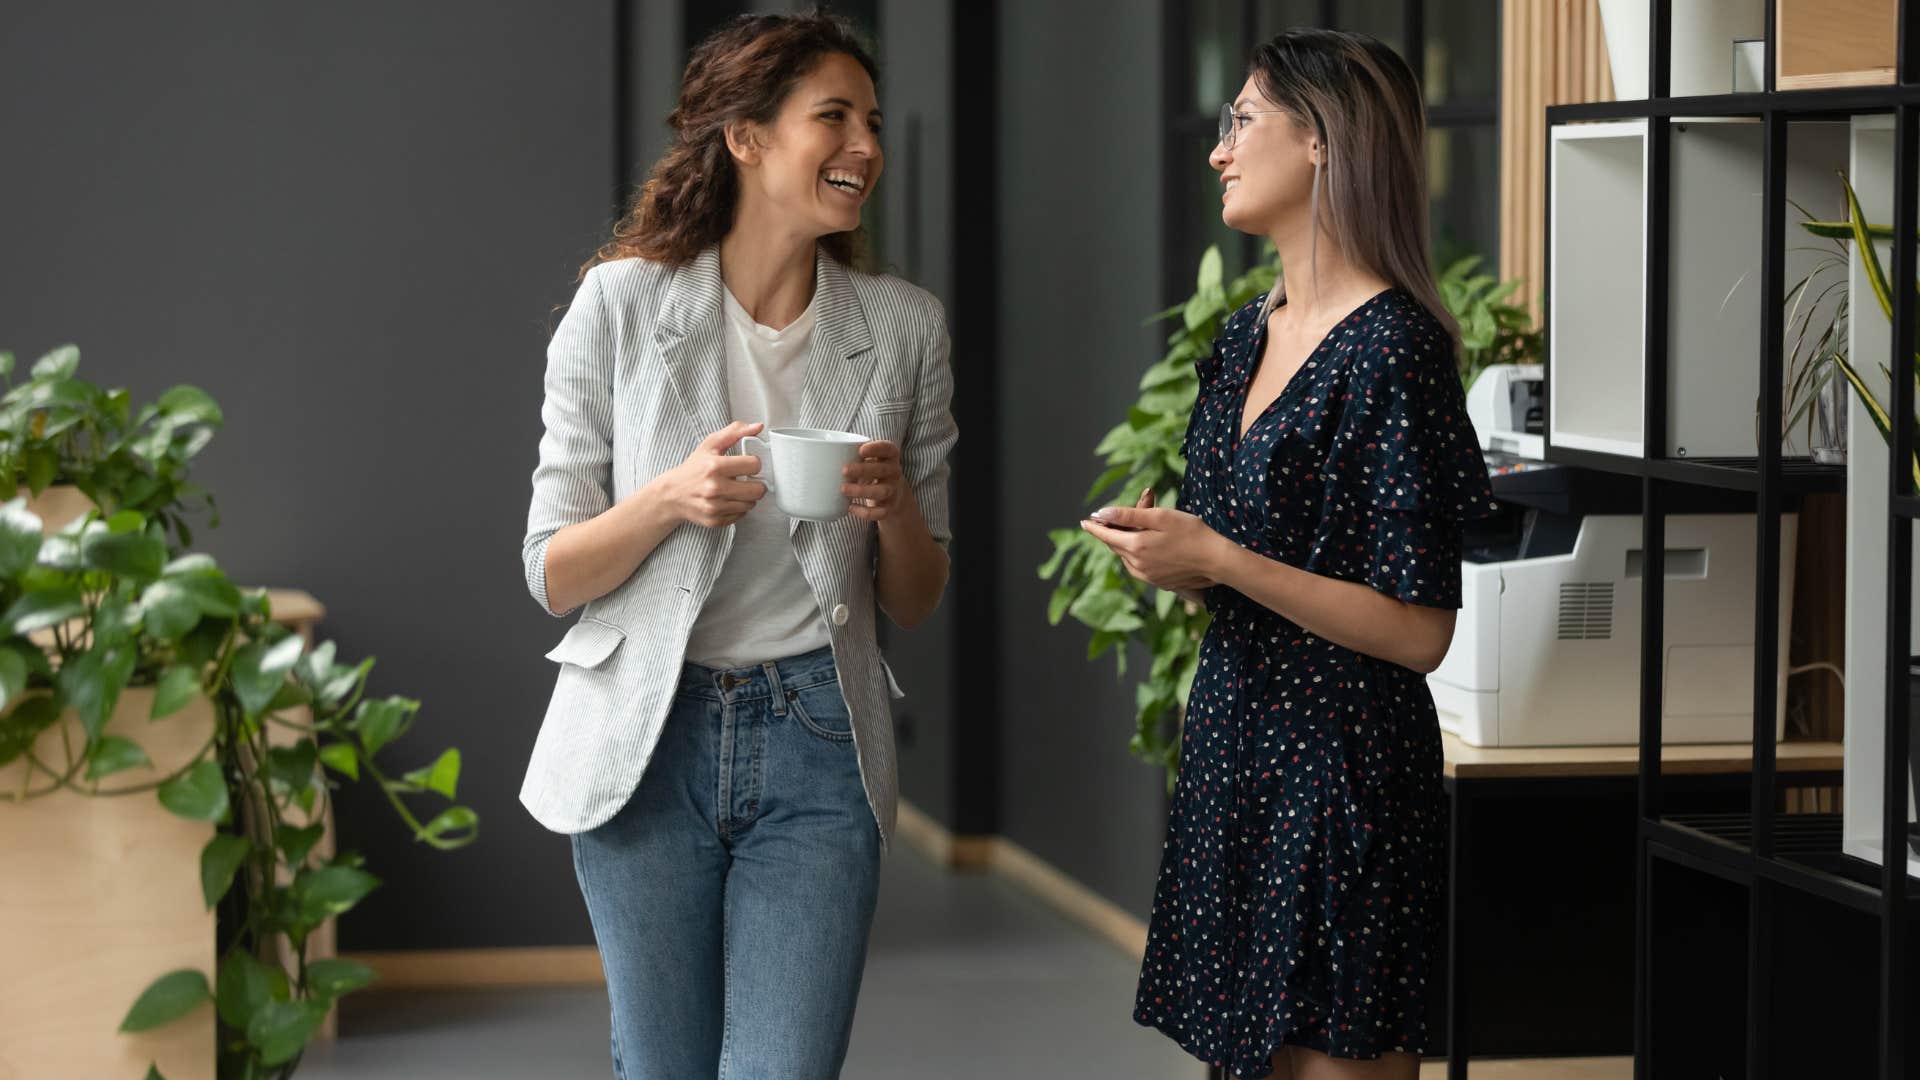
1064, 541
41, 466
167, 610
190, 564
245, 987
332, 977
1063, 598
292, 766
1111, 610
58, 364
442, 776
169, 998
1209, 280
127, 521
344, 682
1106, 480
134, 555
296, 844
259, 669
451, 819
13, 675
381, 722
153, 1072
219, 860
189, 404
291, 696
209, 588
330, 890
22, 725
341, 758
39, 610
112, 754
20, 538
199, 794
177, 688
279, 1030
93, 682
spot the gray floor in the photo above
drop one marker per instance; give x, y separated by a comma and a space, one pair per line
968, 978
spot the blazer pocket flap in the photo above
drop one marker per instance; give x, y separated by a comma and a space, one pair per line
888, 408
588, 644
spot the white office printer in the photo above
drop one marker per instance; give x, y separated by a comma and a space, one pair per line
1546, 651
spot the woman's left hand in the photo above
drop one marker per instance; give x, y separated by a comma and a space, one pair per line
876, 484
1169, 549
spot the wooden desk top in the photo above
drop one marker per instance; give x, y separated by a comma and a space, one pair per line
1474, 762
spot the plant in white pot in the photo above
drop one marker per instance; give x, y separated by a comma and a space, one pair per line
111, 609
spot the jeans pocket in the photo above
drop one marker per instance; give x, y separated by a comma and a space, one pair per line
822, 710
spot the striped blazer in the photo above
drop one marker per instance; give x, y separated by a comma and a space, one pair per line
636, 377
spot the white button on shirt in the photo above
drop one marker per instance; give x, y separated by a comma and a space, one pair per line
840, 614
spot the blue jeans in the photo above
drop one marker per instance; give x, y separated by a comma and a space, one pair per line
732, 895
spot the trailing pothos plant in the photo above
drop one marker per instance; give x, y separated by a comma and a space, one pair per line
1093, 586
112, 601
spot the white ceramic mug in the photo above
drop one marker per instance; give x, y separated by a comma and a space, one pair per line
802, 469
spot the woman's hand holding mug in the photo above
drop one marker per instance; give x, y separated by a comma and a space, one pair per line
875, 485
713, 487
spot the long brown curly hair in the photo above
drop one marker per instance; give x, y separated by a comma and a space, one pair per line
742, 72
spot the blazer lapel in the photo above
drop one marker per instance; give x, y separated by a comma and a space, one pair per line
687, 334
840, 356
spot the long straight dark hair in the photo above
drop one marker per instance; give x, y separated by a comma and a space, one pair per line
1362, 102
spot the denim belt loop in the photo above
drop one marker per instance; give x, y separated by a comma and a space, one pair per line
773, 687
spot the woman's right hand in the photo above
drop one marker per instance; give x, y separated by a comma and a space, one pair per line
712, 488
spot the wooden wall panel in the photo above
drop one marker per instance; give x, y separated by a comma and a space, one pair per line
1553, 52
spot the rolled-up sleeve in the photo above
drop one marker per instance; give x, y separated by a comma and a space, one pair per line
573, 481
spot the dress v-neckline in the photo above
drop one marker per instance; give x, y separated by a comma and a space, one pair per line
1253, 369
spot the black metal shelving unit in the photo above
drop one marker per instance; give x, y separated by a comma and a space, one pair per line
1775, 857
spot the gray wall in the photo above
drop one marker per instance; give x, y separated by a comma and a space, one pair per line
352, 223
349, 222
1079, 226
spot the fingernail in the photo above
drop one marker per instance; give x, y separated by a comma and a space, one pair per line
1101, 514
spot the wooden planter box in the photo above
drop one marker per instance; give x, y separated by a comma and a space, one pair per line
102, 895
1834, 43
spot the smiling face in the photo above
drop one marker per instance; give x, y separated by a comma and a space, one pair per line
817, 163
1266, 177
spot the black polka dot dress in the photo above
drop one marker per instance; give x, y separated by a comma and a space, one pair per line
1302, 884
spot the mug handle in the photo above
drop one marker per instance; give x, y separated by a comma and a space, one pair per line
765, 454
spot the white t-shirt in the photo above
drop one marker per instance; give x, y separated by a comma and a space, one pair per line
761, 607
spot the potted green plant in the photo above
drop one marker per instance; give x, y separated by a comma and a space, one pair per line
113, 608
1493, 329
1144, 452
1822, 341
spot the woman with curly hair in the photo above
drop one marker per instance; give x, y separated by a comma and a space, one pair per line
718, 744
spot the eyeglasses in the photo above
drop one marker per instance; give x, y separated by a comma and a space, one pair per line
1231, 122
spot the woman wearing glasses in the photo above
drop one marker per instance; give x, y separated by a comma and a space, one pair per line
1329, 468
728, 813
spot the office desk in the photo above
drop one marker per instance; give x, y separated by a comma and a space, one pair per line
1475, 776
